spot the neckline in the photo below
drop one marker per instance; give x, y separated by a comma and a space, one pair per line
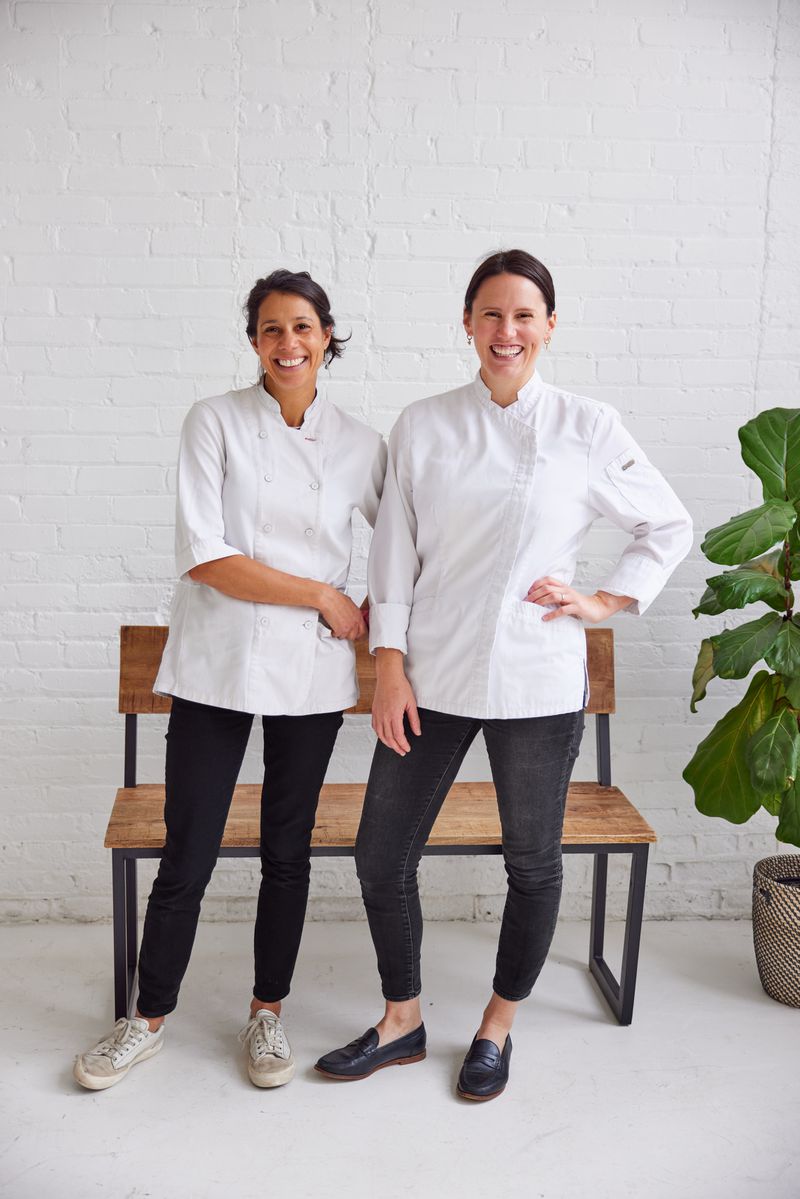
527, 397
310, 416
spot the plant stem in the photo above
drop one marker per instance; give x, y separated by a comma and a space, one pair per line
787, 579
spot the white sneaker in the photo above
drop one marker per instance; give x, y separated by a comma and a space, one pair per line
270, 1061
111, 1059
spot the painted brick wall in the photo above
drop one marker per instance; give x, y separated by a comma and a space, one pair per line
157, 157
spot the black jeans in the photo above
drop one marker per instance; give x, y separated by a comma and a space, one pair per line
205, 748
531, 762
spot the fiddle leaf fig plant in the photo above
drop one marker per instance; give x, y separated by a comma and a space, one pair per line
751, 757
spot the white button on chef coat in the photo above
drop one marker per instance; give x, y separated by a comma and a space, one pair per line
479, 502
244, 487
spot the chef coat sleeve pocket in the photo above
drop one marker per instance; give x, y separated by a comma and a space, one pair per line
641, 486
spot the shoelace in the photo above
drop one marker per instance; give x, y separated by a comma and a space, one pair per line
123, 1036
264, 1034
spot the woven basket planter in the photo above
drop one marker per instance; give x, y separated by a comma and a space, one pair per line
776, 926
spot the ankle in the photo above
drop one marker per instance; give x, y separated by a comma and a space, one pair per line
396, 1023
258, 1005
153, 1022
491, 1030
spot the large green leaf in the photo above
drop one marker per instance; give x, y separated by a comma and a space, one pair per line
736, 651
737, 588
718, 772
709, 605
772, 804
703, 673
751, 533
771, 447
784, 653
772, 753
791, 689
788, 829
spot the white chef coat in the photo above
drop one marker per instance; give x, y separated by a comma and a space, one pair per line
480, 501
249, 484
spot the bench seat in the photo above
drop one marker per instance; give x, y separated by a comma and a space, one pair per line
595, 815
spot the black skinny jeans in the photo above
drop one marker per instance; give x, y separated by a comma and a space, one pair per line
531, 762
205, 748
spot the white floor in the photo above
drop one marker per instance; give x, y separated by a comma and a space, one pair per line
698, 1098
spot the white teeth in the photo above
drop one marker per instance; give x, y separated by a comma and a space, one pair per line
506, 351
290, 361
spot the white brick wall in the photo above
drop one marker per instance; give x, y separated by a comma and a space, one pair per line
157, 157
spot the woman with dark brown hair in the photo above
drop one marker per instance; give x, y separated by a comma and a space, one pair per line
268, 479
490, 490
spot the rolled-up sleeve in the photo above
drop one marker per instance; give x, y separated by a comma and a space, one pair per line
394, 564
625, 487
199, 522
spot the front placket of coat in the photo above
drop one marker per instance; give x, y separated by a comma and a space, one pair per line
288, 535
507, 547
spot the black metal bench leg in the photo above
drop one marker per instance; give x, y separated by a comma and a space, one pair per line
118, 898
131, 930
633, 931
618, 994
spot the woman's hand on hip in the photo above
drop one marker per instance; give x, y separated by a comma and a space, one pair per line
344, 618
394, 699
569, 602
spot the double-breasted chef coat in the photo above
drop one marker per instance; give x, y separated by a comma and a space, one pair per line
479, 502
249, 484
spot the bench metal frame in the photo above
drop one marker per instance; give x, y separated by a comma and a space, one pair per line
618, 992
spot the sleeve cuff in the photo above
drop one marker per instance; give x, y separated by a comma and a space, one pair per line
388, 624
638, 577
202, 551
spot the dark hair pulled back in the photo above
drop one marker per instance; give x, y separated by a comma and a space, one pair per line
295, 283
513, 262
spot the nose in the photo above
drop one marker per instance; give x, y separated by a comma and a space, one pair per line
507, 329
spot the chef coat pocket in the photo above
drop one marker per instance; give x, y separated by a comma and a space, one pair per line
641, 484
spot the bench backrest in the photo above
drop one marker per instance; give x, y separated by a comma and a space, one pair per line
141, 647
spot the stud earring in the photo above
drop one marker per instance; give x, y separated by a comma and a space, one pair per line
469, 339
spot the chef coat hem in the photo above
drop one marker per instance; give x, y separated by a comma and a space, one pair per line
235, 704
547, 707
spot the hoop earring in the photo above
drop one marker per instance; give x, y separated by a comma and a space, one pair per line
547, 343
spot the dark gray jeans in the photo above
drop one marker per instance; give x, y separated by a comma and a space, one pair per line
531, 762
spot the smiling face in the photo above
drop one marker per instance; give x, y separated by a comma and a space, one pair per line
290, 342
509, 323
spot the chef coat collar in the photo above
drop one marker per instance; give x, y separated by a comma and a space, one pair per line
312, 413
525, 401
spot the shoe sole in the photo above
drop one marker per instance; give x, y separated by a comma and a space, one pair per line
479, 1098
93, 1082
396, 1061
278, 1079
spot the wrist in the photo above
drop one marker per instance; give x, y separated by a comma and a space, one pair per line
317, 594
611, 602
388, 663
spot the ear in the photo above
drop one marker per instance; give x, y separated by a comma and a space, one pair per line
327, 335
552, 321
467, 321
253, 344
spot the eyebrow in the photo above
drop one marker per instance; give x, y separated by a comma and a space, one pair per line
498, 308
273, 320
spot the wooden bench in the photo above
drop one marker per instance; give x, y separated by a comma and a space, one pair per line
599, 819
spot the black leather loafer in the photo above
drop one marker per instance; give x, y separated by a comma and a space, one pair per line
364, 1056
484, 1073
